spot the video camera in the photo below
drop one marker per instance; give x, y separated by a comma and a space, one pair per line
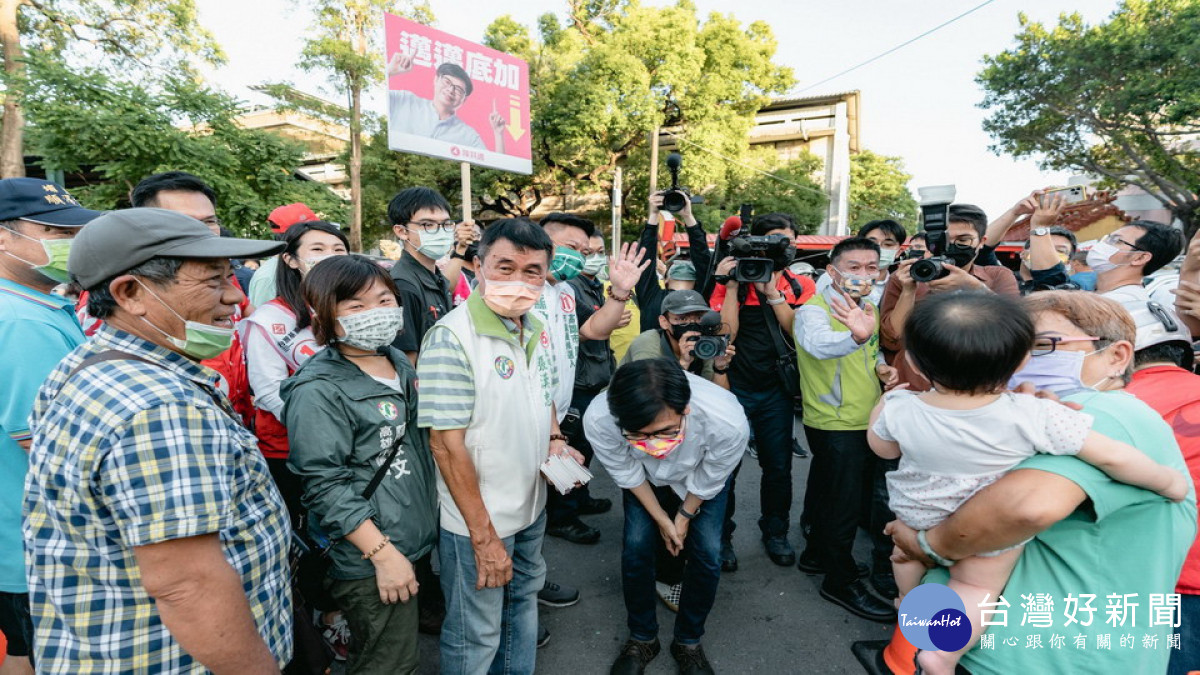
935, 216
708, 345
676, 199
758, 257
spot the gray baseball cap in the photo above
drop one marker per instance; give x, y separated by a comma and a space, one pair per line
118, 241
682, 270
683, 302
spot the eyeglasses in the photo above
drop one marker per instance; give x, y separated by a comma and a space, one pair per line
433, 225
1047, 344
662, 434
1113, 240
458, 90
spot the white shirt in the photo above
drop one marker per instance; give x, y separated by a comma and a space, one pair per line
715, 437
411, 114
274, 350
556, 309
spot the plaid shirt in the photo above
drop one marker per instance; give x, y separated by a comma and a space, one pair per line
127, 454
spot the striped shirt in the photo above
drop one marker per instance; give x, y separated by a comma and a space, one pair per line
127, 454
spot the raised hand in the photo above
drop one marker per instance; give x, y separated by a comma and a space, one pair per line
625, 269
496, 119
400, 63
859, 320
1046, 213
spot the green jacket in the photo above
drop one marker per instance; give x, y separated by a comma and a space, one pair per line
342, 424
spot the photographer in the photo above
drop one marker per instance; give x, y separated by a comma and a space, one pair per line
679, 326
649, 290
762, 378
841, 371
964, 237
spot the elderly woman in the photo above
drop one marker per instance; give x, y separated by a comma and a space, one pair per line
1092, 535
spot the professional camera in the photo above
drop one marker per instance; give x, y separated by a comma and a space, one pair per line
758, 257
708, 345
935, 216
910, 254
676, 199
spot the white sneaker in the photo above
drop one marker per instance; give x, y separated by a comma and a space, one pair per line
669, 594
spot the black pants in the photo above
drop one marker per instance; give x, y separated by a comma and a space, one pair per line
565, 508
290, 488
840, 478
879, 514
771, 416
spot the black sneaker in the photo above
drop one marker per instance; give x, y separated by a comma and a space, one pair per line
543, 636
798, 450
557, 595
575, 531
856, 599
779, 550
809, 564
593, 506
728, 557
634, 656
691, 660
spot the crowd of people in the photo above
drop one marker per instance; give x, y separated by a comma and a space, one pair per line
245, 456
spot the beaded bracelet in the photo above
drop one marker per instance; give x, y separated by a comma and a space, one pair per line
378, 548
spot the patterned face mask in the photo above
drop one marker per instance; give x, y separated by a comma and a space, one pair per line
659, 448
567, 263
373, 328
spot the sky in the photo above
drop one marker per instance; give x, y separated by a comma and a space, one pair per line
919, 103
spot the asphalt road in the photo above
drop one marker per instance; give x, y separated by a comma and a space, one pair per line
767, 619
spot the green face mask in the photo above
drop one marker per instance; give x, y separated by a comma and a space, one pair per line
201, 341
57, 252
567, 263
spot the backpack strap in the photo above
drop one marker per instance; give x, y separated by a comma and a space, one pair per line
108, 355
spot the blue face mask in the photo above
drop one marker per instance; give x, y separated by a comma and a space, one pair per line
1058, 372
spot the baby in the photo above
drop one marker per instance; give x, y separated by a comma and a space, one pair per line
968, 431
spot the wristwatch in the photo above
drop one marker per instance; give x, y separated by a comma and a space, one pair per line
460, 256
1040, 231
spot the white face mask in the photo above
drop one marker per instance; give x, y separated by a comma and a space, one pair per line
1098, 257
309, 263
887, 256
434, 245
373, 328
594, 263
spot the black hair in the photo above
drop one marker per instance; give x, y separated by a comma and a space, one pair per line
773, 221
522, 233
335, 280
145, 193
588, 227
1059, 231
1162, 242
859, 243
641, 390
287, 279
456, 71
410, 200
889, 227
970, 214
1178, 352
969, 342
162, 271
918, 236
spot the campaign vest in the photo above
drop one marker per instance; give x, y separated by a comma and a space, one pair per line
277, 322
840, 393
508, 438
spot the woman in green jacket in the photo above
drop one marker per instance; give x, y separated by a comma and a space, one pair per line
346, 409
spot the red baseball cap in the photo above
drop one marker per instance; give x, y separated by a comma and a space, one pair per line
286, 216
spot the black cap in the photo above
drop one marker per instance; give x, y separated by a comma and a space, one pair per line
41, 201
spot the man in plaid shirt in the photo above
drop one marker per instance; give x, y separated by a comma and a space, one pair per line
155, 539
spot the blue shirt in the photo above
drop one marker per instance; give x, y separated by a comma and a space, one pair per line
36, 331
411, 114
1085, 280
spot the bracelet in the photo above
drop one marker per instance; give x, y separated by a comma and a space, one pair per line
720, 371
558, 437
460, 256
777, 301
609, 292
683, 512
383, 544
928, 550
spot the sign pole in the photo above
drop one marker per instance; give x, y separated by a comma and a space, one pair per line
654, 160
466, 190
616, 211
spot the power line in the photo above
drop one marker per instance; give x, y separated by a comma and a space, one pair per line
714, 153
897, 47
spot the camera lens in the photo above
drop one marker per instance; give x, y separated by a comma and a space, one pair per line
753, 270
674, 201
927, 270
708, 347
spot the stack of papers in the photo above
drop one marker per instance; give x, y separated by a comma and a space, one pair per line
565, 473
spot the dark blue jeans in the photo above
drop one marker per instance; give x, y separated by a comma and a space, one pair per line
702, 571
770, 414
1188, 658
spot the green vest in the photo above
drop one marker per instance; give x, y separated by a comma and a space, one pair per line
839, 394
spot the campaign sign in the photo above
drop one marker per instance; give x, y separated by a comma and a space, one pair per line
454, 99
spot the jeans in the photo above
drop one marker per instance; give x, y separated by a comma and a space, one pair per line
770, 414
702, 546
492, 630
842, 474
1188, 658
562, 509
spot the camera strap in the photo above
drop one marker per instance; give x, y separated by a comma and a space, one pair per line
789, 373
774, 328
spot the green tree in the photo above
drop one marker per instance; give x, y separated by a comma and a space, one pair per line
1120, 100
124, 36
122, 132
346, 45
879, 189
